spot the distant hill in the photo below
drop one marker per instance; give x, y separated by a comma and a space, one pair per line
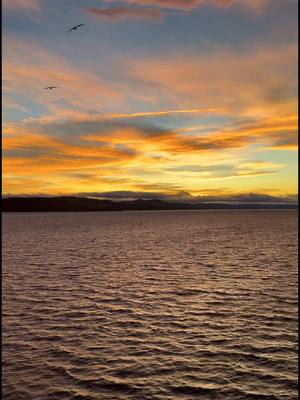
69, 203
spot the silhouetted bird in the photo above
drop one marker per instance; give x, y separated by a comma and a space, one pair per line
74, 28
51, 87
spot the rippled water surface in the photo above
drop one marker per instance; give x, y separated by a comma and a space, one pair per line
150, 305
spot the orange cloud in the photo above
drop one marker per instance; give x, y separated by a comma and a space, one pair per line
28, 68
64, 167
136, 133
165, 113
22, 5
101, 147
192, 4
256, 81
73, 148
123, 13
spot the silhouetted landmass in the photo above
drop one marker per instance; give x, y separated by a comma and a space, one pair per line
66, 203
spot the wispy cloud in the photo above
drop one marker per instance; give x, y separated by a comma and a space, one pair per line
192, 4
248, 83
255, 101
98, 150
172, 119
241, 80
134, 131
164, 113
217, 171
21, 5
29, 67
123, 13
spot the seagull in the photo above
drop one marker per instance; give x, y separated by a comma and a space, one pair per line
50, 87
74, 28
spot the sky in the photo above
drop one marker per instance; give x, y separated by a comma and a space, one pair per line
174, 99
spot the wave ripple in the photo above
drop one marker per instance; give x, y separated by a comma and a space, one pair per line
150, 305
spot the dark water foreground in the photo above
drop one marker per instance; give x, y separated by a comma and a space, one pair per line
150, 305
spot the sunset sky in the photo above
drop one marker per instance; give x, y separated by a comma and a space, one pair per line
154, 98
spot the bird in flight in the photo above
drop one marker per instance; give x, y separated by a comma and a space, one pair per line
50, 87
74, 28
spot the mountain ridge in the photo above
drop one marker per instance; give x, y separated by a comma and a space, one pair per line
74, 203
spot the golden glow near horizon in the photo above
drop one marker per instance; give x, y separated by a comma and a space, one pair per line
207, 118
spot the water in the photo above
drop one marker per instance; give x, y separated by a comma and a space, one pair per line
150, 305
